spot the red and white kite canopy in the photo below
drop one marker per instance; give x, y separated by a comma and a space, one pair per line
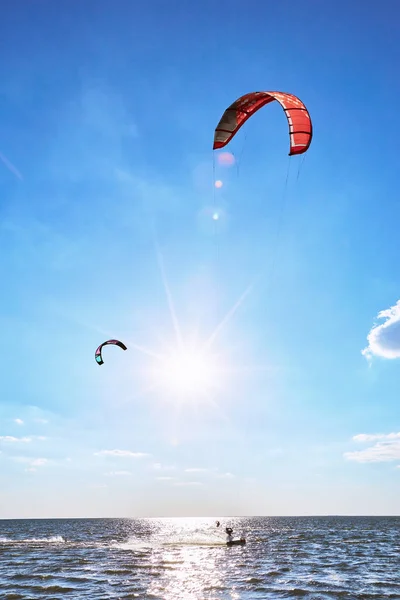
300, 126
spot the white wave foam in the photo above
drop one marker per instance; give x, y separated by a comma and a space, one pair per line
54, 539
133, 545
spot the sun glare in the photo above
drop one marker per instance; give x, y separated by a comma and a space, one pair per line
188, 372
184, 370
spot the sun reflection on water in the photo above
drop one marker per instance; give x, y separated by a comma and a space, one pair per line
194, 562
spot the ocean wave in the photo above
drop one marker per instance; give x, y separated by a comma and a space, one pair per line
54, 539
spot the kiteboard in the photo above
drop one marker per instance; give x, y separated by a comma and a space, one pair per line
240, 542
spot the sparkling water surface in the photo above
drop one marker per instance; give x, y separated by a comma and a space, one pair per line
313, 558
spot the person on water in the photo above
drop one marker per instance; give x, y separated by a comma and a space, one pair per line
218, 523
229, 534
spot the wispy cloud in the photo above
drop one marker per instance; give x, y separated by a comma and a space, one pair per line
38, 415
151, 194
18, 421
159, 466
371, 437
25, 440
213, 471
188, 483
117, 473
386, 449
33, 463
276, 451
196, 470
121, 453
39, 462
105, 113
384, 339
10, 439
38, 242
96, 144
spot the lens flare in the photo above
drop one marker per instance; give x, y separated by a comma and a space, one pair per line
226, 159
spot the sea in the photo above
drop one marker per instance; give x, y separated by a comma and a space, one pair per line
314, 558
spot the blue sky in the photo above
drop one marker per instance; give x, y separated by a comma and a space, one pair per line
106, 179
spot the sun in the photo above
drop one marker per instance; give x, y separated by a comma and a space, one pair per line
188, 372
189, 367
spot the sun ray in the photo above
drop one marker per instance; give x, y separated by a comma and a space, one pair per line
214, 404
10, 166
228, 317
144, 350
171, 307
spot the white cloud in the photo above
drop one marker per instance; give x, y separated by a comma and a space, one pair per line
188, 483
19, 421
10, 439
121, 453
165, 478
159, 466
384, 339
117, 473
385, 450
196, 470
39, 462
211, 471
367, 437
14, 440
33, 463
